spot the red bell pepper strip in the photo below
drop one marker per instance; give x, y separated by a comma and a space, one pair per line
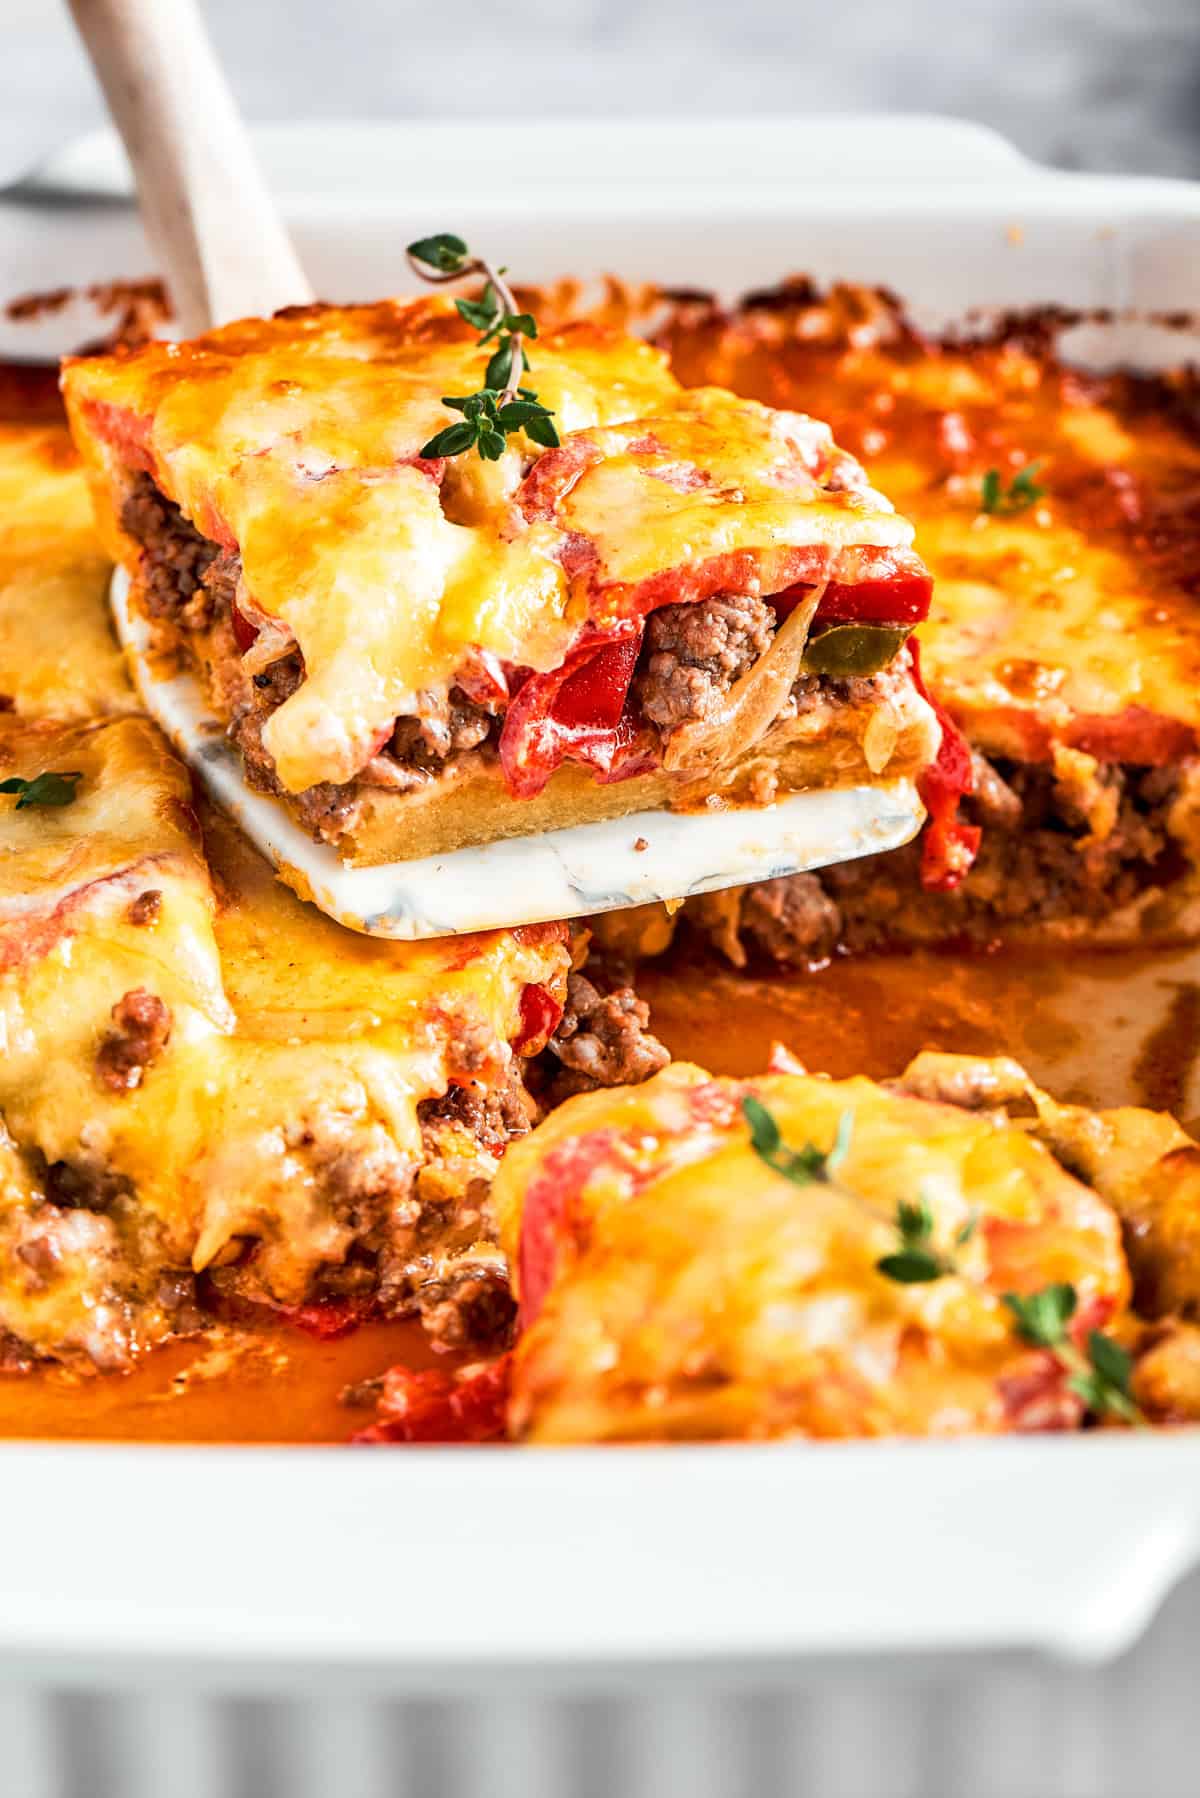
541, 1014
949, 847
575, 712
468, 1405
244, 633
902, 598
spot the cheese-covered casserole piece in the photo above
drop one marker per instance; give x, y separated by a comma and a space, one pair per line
856, 1279
232, 1091
693, 597
953, 1251
1059, 512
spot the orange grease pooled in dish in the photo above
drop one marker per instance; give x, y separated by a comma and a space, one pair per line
1101, 1028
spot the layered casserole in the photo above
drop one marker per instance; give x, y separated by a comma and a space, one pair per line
686, 598
1057, 510
226, 1118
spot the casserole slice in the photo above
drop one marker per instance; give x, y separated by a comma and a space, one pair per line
1059, 511
214, 1099
691, 600
707, 1258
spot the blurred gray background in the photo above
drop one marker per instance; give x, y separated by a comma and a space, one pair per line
1097, 84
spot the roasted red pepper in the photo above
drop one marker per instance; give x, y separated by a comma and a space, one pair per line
576, 712
244, 633
902, 598
550, 1216
949, 847
541, 1013
468, 1405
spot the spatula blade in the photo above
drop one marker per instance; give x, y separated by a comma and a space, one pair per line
651, 855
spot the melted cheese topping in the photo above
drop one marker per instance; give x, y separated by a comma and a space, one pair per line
70, 876
1081, 606
1039, 616
297, 441
715, 477
695, 1291
290, 1043
57, 652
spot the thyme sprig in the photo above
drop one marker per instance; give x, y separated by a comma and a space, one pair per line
50, 788
801, 1166
916, 1261
502, 405
1101, 1375
1022, 491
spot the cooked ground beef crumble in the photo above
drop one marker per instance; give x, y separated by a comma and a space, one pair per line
693, 654
141, 1031
603, 1040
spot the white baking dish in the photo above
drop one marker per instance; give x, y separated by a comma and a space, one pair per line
439, 1571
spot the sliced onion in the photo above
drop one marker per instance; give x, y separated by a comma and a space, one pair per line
270, 645
382, 771
752, 703
274, 639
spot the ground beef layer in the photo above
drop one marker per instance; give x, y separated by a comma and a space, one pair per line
419, 1241
1067, 844
88, 1273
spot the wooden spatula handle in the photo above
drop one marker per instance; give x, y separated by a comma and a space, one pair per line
205, 206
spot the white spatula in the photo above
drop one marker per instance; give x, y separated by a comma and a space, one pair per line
226, 254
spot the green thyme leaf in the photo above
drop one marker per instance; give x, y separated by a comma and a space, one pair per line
452, 441
1103, 1399
1024, 490
1090, 1389
523, 323
841, 1143
1042, 1317
444, 252
911, 1267
801, 1166
1021, 492
967, 1231
1110, 1360
491, 444
914, 1222
518, 413
916, 1261
765, 1138
484, 313
542, 431
500, 368
1106, 1388
51, 788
